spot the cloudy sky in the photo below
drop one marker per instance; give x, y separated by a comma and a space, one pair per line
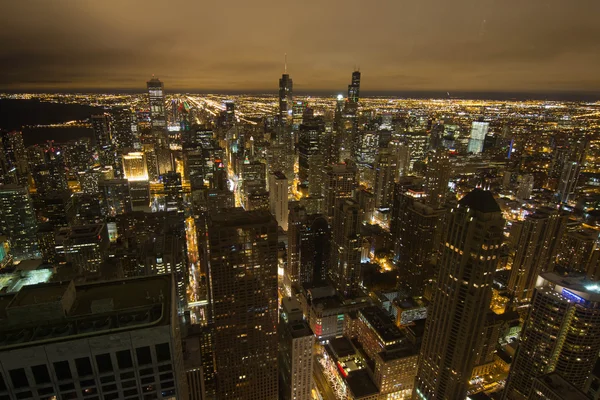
448, 45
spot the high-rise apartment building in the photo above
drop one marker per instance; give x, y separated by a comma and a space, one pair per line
561, 333
278, 198
385, 167
110, 340
470, 246
346, 247
242, 271
534, 244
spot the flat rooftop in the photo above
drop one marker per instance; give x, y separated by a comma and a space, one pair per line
578, 287
382, 324
559, 386
62, 311
360, 384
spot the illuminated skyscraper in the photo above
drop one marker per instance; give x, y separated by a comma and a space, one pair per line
158, 116
17, 221
285, 97
311, 158
295, 352
340, 183
561, 334
437, 177
242, 268
354, 88
101, 124
470, 246
278, 198
416, 230
385, 168
534, 244
478, 132
135, 167
346, 247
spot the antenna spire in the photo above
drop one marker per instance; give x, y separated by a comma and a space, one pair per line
285, 64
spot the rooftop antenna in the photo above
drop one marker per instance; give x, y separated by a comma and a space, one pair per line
285, 64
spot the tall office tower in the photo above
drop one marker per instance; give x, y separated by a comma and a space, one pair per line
140, 194
385, 168
115, 339
478, 132
346, 247
308, 247
166, 254
285, 97
116, 196
416, 229
17, 221
85, 246
101, 124
401, 150
534, 243
561, 333
242, 268
55, 208
340, 183
311, 158
296, 341
135, 167
123, 127
418, 143
568, 181
278, 198
553, 386
158, 115
470, 246
354, 88
173, 190
253, 179
437, 177
51, 174
16, 155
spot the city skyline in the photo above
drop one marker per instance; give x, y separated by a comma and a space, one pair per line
466, 46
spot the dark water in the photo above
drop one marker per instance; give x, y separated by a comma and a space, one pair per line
22, 114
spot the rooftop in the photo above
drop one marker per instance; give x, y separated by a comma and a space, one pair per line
480, 200
360, 384
574, 287
61, 311
559, 386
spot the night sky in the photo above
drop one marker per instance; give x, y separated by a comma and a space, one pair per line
449, 45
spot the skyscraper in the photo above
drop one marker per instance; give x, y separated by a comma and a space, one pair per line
470, 246
478, 132
285, 97
534, 244
437, 177
158, 116
340, 183
385, 167
354, 88
242, 268
561, 333
295, 352
346, 247
416, 229
17, 221
278, 198
113, 340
